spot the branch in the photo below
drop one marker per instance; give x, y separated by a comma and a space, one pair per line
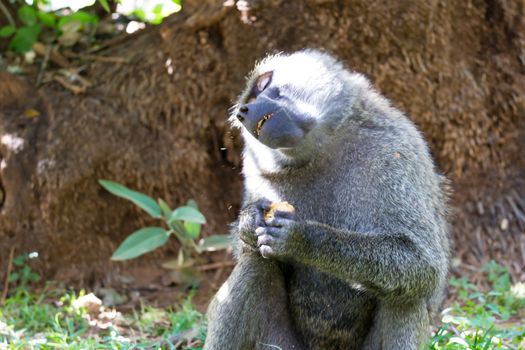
6, 281
7, 14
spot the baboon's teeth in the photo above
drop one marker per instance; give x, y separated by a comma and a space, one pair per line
261, 122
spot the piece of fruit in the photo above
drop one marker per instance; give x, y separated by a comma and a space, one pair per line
282, 206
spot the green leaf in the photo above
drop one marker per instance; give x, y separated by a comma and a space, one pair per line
6, 31
27, 15
192, 229
81, 16
144, 202
140, 242
13, 277
33, 276
165, 209
24, 38
459, 341
104, 4
19, 260
156, 20
215, 242
157, 12
47, 19
84, 17
178, 2
141, 15
157, 9
178, 229
192, 203
26, 270
187, 213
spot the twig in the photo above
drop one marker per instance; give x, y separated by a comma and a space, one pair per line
515, 209
108, 59
73, 81
43, 66
6, 281
75, 89
54, 55
113, 41
7, 14
74, 75
217, 265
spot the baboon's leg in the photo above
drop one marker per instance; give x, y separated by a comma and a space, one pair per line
404, 326
250, 310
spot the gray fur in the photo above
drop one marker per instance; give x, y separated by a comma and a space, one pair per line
363, 262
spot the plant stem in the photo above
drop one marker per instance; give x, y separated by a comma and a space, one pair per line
8, 273
7, 14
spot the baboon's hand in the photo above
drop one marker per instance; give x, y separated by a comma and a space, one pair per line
250, 218
274, 236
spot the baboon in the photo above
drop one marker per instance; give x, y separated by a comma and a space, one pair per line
361, 263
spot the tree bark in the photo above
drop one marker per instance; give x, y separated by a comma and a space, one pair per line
158, 123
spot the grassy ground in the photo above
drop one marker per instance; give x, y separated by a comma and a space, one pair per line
65, 320
493, 318
55, 318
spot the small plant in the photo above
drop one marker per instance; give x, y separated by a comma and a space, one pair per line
34, 21
22, 275
484, 320
27, 34
184, 223
188, 325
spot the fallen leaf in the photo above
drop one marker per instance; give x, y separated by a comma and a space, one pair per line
90, 302
31, 113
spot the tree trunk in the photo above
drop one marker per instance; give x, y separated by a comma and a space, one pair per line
158, 123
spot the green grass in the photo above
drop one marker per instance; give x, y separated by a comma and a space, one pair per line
50, 320
492, 318
479, 320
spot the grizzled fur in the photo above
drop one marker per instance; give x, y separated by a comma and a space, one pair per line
363, 262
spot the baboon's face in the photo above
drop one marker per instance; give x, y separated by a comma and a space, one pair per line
285, 99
